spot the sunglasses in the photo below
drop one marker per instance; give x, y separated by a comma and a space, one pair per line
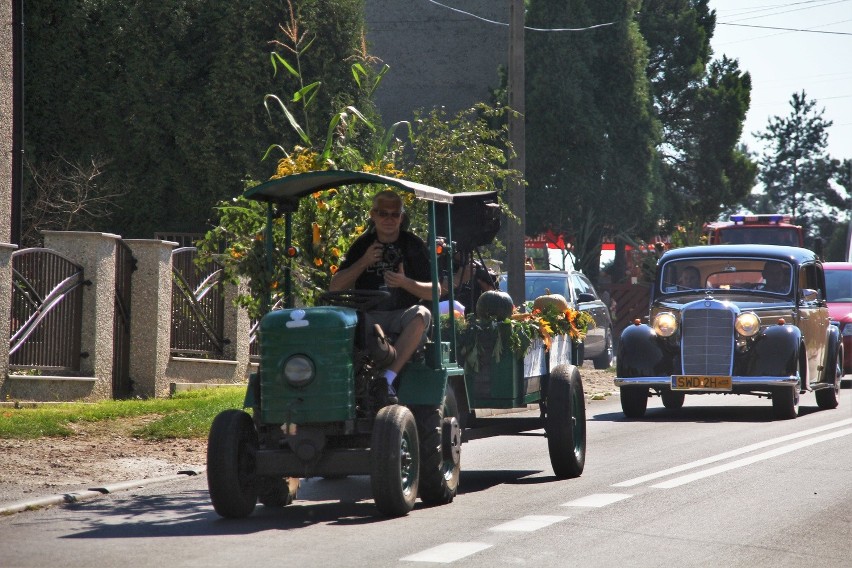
383, 213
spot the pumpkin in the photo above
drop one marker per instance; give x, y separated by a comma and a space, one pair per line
494, 304
558, 301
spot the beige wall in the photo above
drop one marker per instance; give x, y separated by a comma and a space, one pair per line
5, 121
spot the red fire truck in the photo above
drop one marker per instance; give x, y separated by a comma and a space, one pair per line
771, 229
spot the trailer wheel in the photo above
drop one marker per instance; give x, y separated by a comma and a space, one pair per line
565, 422
231, 448
278, 491
395, 461
440, 450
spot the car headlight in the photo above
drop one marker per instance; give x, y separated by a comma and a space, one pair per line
665, 324
747, 324
299, 370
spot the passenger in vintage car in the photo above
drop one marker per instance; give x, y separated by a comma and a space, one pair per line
776, 277
689, 277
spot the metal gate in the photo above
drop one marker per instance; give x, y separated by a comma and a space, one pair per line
47, 312
125, 264
198, 307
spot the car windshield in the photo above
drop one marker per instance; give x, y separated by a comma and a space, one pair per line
540, 285
763, 235
765, 275
838, 285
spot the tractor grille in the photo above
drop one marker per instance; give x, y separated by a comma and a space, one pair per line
707, 340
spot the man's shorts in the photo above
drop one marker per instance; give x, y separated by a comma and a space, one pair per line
394, 321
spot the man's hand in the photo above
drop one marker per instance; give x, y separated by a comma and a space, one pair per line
396, 279
373, 254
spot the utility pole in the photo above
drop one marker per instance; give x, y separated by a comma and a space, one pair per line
516, 232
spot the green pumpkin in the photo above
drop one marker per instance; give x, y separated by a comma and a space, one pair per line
494, 304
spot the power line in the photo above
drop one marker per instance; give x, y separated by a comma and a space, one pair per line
486, 20
789, 11
784, 29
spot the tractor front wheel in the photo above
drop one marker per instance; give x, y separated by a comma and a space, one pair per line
395, 461
231, 450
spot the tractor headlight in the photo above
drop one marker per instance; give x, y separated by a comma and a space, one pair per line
299, 370
747, 324
665, 324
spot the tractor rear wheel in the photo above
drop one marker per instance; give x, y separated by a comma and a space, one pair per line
440, 450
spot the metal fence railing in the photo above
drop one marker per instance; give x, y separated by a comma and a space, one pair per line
197, 307
47, 308
125, 264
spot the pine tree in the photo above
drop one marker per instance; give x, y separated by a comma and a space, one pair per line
796, 169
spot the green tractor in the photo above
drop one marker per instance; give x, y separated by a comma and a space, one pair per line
313, 411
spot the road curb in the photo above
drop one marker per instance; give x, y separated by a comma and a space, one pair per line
93, 492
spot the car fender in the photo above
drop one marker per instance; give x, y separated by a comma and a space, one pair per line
776, 351
640, 353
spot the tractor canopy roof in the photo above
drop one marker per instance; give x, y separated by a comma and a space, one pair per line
290, 189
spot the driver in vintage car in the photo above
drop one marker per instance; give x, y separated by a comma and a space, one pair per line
776, 277
386, 257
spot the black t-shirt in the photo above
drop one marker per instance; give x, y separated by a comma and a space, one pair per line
408, 250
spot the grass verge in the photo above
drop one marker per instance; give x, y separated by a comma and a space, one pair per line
185, 415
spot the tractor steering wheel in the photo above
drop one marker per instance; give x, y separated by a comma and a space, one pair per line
361, 300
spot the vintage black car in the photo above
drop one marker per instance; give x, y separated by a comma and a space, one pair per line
736, 319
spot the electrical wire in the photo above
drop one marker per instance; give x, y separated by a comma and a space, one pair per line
486, 20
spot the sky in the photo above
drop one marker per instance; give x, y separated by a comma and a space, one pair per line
783, 62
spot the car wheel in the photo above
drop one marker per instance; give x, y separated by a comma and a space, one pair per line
829, 397
565, 422
604, 360
394, 461
231, 450
785, 403
440, 450
634, 401
672, 400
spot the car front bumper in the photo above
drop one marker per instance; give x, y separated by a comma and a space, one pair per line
739, 383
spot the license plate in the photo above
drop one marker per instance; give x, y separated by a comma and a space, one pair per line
706, 383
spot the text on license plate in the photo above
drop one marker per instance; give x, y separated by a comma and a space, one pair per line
701, 382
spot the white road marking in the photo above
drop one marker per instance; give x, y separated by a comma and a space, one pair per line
732, 453
684, 479
597, 500
447, 552
529, 523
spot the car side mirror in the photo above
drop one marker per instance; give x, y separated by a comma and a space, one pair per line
585, 297
808, 295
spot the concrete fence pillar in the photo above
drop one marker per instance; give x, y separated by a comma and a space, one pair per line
237, 326
151, 316
96, 253
6, 251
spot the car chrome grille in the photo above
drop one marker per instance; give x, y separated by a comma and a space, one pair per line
707, 340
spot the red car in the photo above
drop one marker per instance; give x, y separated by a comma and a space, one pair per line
838, 283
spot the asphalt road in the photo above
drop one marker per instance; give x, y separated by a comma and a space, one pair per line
718, 483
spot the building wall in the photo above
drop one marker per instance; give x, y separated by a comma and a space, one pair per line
5, 121
437, 57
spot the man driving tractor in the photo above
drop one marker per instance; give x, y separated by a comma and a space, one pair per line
388, 257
